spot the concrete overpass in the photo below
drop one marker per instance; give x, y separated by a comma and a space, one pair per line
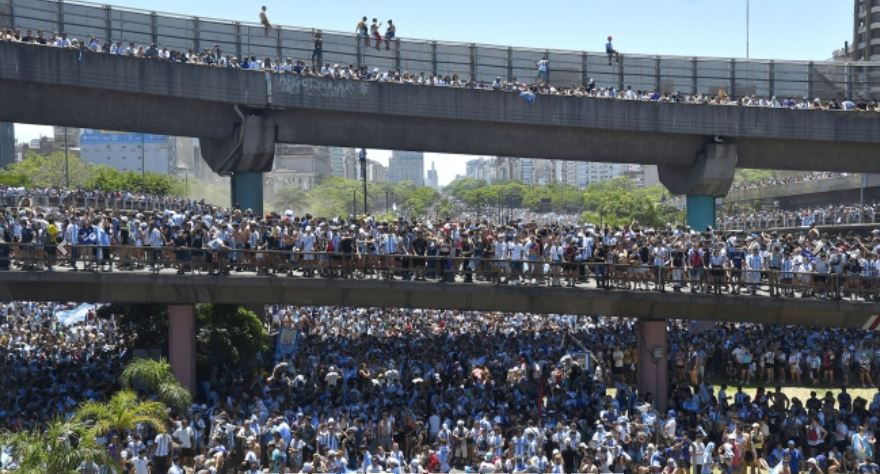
142, 287
821, 192
239, 116
182, 292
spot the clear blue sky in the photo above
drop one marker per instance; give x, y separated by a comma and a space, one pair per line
783, 29
780, 29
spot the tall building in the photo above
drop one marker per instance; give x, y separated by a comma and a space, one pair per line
376, 172
7, 144
343, 162
129, 151
66, 136
407, 166
866, 30
433, 180
301, 166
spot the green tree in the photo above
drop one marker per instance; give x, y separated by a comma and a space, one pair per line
289, 197
154, 377
458, 187
61, 447
122, 413
619, 202
37, 170
229, 335
420, 200
147, 322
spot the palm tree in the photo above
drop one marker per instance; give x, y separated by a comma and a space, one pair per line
62, 447
155, 378
122, 413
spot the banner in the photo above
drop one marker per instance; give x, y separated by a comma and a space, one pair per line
74, 316
286, 343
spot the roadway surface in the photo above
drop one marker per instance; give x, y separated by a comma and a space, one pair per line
53, 86
165, 287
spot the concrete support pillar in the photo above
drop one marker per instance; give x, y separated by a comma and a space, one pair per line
182, 344
710, 175
700, 211
652, 375
247, 190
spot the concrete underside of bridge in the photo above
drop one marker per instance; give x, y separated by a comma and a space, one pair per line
61, 87
249, 290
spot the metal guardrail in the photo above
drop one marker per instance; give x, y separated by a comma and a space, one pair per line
784, 221
227, 262
690, 75
94, 202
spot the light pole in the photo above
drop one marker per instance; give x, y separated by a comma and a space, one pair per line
362, 156
143, 168
66, 163
747, 27
864, 182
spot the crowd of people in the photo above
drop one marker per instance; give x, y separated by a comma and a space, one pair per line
415, 391
528, 88
840, 214
218, 240
49, 365
19, 196
783, 181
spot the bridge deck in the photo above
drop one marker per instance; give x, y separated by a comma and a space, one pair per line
166, 287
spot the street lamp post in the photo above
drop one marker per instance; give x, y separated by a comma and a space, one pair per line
362, 156
66, 162
143, 167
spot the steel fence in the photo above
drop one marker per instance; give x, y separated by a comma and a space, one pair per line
233, 262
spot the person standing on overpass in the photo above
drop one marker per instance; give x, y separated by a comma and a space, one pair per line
264, 20
610, 51
318, 50
543, 70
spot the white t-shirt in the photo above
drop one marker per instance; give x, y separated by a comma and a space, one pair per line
141, 465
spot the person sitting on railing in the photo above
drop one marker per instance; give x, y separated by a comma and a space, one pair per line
610, 51
264, 20
374, 32
390, 33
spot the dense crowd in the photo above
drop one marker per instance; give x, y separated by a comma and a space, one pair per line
49, 365
19, 196
783, 181
414, 391
839, 214
219, 240
528, 88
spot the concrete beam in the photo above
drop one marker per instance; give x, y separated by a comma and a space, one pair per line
247, 290
711, 174
52, 86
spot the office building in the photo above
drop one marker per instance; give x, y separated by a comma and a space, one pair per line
300, 166
866, 30
66, 137
433, 180
7, 144
343, 162
129, 151
376, 172
407, 166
